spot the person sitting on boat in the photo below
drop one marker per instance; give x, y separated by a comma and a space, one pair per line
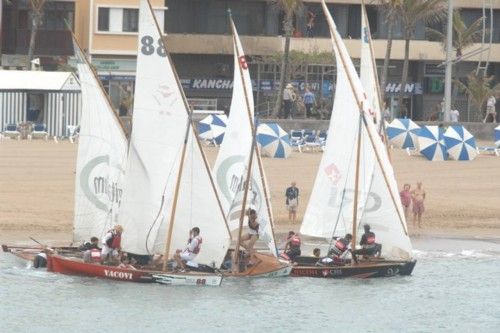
317, 252
111, 244
91, 250
40, 259
369, 246
248, 241
126, 262
191, 250
336, 255
292, 247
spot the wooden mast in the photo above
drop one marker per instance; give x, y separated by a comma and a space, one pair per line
356, 187
188, 110
375, 75
358, 101
253, 127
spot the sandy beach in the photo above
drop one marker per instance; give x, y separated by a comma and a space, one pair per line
37, 186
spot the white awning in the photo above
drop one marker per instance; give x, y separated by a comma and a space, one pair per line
38, 80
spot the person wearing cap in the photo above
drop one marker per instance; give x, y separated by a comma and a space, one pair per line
369, 246
111, 244
289, 98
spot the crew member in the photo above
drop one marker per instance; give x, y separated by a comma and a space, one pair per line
111, 244
340, 247
40, 260
292, 247
191, 250
248, 241
370, 247
91, 250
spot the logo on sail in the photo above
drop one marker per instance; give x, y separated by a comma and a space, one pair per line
161, 94
333, 173
99, 185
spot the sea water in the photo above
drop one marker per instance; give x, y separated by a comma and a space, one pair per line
455, 287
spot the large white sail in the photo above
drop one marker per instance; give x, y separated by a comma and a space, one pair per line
331, 205
230, 167
102, 154
159, 129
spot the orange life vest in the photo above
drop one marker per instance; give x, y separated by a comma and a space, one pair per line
340, 245
95, 255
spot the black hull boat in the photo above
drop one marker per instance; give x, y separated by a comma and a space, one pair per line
307, 266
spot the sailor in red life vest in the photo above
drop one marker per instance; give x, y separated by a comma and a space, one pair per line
337, 253
111, 243
191, 250
91, 250
370, 247
292, 247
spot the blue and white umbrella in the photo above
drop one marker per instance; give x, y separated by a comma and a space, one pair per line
273, 140
431, 143
403, 133
497, 136
212, 127
460, 144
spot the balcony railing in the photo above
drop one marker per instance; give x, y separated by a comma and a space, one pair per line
48, 42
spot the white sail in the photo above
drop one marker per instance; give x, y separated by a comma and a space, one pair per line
331, 204
159, 129
102, 154
230, 167
368, 71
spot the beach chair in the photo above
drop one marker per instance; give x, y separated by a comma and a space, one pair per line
12, 131
297, 139
39, 131
488, 150
311, 142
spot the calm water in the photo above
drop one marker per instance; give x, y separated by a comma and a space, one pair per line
455, 288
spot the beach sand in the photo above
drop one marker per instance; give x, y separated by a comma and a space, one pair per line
37, 188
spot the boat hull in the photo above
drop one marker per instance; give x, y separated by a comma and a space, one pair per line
266, 266
74, 266
361, 270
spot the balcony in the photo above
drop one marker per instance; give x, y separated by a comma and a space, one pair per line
48, 42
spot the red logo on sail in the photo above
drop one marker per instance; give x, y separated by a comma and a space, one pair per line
243, 62
333, 173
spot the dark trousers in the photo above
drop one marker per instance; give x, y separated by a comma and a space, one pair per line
288, 107
308, 109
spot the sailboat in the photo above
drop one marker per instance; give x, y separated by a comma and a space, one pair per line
240, 175
355, 183
168, 189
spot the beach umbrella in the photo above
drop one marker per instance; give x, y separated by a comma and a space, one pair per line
497, 136
431, 143
460, 144
273, 140
403, 133
213, 127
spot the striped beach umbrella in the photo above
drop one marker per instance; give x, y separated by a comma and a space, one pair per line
497, 136
273, 140
460, 144
213, 127
403, 133
431, 143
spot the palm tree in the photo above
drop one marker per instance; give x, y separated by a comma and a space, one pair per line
463, 35
412, 12
389, 7
289, 8
37, 17
478, 88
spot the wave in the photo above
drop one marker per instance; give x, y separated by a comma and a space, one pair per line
462, 254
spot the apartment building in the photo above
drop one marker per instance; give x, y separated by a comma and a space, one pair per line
198, 38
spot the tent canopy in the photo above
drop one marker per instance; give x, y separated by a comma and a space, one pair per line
38, 80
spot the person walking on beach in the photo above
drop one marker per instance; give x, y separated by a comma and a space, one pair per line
405, 195
289, 98
292, 201
418, 197
309, 101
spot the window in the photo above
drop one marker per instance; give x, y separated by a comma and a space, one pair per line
103, 19
130, 20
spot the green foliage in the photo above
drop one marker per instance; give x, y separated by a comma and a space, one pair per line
479, 88
463, 35
413, 11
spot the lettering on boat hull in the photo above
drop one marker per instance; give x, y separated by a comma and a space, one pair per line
118, 275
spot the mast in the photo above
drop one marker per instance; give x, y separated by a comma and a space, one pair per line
375, 75
188, 110
253, 126
243, 205
358, 101
356, 187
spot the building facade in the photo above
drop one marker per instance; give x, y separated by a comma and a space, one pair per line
200, 43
